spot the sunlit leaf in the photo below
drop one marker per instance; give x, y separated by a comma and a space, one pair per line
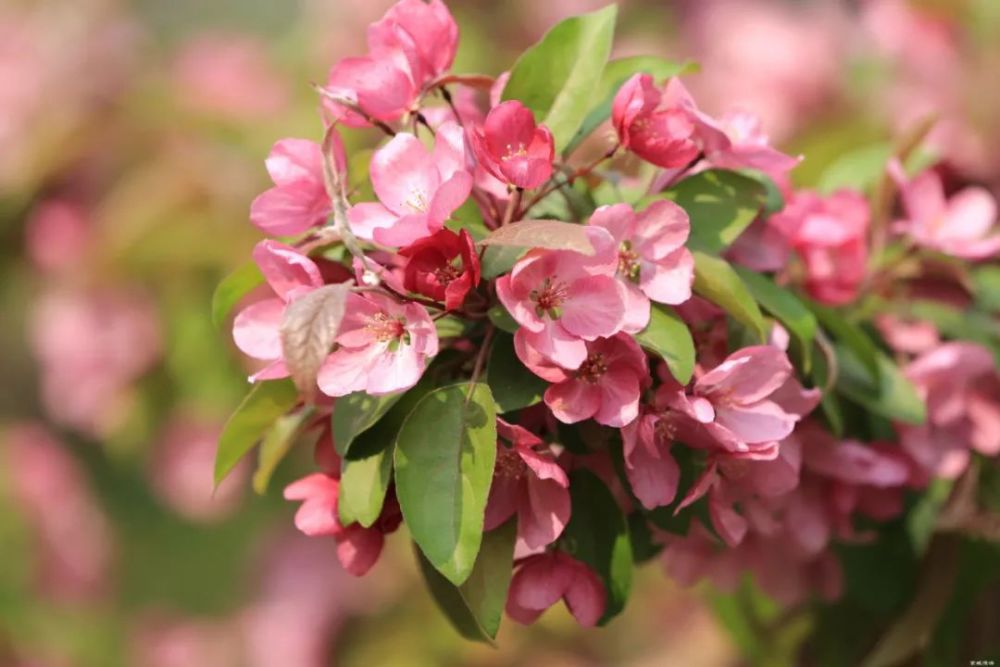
261, 408
715, 280
548, 234
785, 306
721, 204
513, 385
234, 287
275, 445
668, 336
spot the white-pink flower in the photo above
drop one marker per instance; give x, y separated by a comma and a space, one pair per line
256, 329
382, 347
563, 298
417, 189
652, 262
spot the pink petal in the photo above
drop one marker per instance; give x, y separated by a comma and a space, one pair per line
539, 583
404, 175
452, 194
595, 307
619, 402
293, 160
759, 422
661, 229
406, 230
748, 375
586, 597
290, 209
256, 329
366, 218
651, 470
544, 467
396, 371
505, 493
345, 371
544, 513
732, 527
553, 343
618, 219
573, 401
358, 548
668, 280
286, 270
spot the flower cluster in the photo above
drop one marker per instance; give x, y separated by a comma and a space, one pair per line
512, 313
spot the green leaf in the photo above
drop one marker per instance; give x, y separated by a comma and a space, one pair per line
616, 73
275, 445
450, 326
774, 200
502, 319
498, 260
850, 334
556, 77
668, 336
234, 287
785, 306
356, 413
476, 607
513, 385
720, 203
715, 280
858, 169
444, 466
891, 395
987, 282
366, 468
470, 218
261, 408
597, 534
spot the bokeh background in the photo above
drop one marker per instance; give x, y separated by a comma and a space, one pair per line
132, 139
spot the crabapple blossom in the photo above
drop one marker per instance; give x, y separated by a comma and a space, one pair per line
431, 267
256, 329
512, 147
382, 347
562, 298
653, 263
652, 130
417, 189
749, 148
542, 580
431, 29
829, 234
299, 200
959, 226
528, 482
606, 386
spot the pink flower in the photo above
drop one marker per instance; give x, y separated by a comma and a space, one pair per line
649, 466
512, 148
750, 148
298, 201
961, 387
542, 580
431, 29
745, 405
56, 235
959, 226
606, 386
256, 328
562, 298
829, 233
432, 271
663, 127
418, 189
382, 347
531, 484
652, 260
358, 548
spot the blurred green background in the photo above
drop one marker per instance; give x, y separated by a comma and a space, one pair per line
132, 140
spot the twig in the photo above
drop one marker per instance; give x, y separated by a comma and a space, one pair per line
570, 179
477, 369
353, 106
513, 204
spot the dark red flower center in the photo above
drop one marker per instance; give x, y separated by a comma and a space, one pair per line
593, 368
549, 298
509, 464
387, 329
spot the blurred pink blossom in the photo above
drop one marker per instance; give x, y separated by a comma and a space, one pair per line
57, 235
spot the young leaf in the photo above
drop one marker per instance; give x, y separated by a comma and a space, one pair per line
502, 319
234, 287
616, 73
550, 234
785, 306
716, 280
556, 77
444, 466
891, 395
597, 534
668, 336
265, 403
721, 204
498, 260
513, 386
356, 413
476, 607
275, 445
308, 329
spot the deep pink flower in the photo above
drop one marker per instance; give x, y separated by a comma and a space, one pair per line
382, 347
961, 388
298, 200
512, 148
432, 31
381, 86
959, 226
651, 469
527, 481
562, 298
418, 189
542, 580
652, 260
57, 235
358, 548
256, 328
432, 269
830, 234
606, 386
